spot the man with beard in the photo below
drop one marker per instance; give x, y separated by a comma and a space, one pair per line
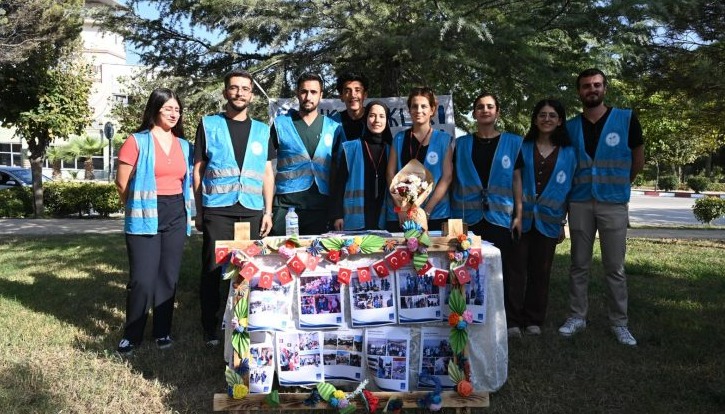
353, 90
306, 144
233, 182
610, 151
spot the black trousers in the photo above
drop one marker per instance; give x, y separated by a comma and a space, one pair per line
311, 222
154, 264
217, 227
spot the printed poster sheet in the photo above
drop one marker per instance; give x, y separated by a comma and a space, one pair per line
342, 354
270, 309
299, 358
372, 302
388, 350
419, 299
320, 301
261, 364
435, 352
475, 295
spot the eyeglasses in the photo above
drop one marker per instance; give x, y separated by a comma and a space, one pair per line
234, 89
170, 109
544, 115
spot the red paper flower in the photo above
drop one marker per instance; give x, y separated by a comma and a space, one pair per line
353, 249
453, 319
464, 388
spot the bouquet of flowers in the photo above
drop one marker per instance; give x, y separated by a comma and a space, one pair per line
410, 187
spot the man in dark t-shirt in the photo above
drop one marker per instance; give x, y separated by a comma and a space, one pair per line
233, 182
353, 90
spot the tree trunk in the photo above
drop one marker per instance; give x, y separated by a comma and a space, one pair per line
88, 166
56, 169
36, 168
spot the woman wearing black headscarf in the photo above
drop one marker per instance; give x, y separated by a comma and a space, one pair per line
360, 185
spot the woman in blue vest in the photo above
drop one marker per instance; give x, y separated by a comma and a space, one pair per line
154, 182
430, 146
549, 165
487, 191
360, 184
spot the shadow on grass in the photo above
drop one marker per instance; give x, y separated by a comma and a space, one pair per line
95, 301
24, 389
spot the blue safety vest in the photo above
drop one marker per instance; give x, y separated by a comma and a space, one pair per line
141, 214
353, 203
438, 147
467, 191
295, 170
606, 178
224, 184
548, 210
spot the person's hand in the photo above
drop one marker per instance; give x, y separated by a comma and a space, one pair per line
266, 225
516, 228
339, 224
402, 217
562, 235
199, 221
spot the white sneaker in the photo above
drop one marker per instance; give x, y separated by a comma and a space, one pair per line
572, 326
514, 332
532, 330
623, 335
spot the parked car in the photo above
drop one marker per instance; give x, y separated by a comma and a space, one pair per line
17, 177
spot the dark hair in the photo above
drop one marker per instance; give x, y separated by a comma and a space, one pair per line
560, 136
157, 100
483, 95
309, 76
351, 77
425, 92
237, 73
589, 73
386, 134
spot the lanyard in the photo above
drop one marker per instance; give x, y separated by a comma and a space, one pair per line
420, 144
376, 166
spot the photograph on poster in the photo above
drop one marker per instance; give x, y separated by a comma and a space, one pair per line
435, 353
387, 352
475, 294
276, 301
418, 297
372, 302
342, 354
261, 365
299, 358
320, 301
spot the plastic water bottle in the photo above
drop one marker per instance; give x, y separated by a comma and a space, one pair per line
291, 223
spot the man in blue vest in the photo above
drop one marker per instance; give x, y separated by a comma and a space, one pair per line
353, 90
610, 154
306, 144
233, 182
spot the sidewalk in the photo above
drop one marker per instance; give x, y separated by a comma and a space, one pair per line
42, 227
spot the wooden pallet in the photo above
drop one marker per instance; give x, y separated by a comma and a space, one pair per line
294, 401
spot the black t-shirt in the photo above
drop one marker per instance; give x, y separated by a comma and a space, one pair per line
310, 199
482, 155
239, 132
411, 148
592, 132
353, 127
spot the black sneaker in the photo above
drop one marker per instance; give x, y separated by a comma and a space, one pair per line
164, 343
125, 347
211, 339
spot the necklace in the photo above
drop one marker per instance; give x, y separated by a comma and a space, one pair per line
376, 165
545, 150
420, 143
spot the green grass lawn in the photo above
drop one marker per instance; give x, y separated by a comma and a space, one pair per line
62, 304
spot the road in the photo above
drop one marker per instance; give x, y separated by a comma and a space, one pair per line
663, 211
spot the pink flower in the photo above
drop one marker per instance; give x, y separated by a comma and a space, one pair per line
286, 252
467, 316
412, 244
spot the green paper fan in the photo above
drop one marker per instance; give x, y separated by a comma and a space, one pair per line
371, 244
419, 260
272, 399
424, 239
232, 377
411, 233
325, 389
240, 343
230, 272
241, 309
454, 373
333, 243
349, 409
456, 302
458, 338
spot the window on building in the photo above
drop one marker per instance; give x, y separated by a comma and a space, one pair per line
11, 154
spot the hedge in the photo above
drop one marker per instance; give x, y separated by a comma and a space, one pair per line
62, 199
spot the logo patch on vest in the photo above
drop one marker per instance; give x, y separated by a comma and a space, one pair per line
612, 139
256, 148
561, 177
328, 140
506, 162
432, 158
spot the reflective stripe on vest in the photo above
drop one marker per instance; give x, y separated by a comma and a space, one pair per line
467, 198
223, 183
547, 212
296, 171
606, 177
438, 147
